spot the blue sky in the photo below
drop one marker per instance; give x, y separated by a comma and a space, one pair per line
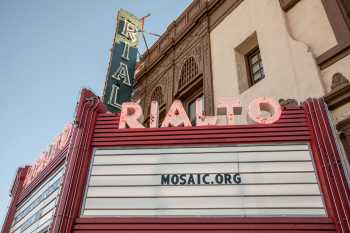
49, 50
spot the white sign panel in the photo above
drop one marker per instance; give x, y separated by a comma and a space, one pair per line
251, 180
36, 212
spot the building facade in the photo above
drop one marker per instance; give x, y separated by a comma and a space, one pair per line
301, 50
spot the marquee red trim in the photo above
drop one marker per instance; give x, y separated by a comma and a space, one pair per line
78, 156
223, 224
49, 169
19, 193
15, 191
329, 166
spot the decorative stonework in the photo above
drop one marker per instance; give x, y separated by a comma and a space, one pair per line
340, 93
188, 36
193, 52
288, 102
163, 79
338, 80
191, 39
207, 76
167, 72
157, 95
337, 100
189, 71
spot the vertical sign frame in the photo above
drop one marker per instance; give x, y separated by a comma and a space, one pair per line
120, 76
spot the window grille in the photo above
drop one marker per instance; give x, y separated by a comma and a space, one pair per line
189, 71
158, 96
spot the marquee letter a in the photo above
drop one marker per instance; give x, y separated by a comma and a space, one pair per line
176, 116
122, 73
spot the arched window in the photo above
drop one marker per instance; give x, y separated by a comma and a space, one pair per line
189, 71
158, 96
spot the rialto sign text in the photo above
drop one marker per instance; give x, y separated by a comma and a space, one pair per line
262, 110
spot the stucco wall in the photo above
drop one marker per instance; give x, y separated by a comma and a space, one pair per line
341, 113
290, 68
308, 22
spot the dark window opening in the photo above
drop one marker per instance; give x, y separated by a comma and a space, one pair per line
191, 109
254, 66
162, 113
188, 95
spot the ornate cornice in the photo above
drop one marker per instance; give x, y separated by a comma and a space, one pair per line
288, 102
198, 12
344, 125
340, 93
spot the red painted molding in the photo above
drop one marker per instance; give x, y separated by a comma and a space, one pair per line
78, 156
329, 167
49, 169
244, 220
15, 191
204, 224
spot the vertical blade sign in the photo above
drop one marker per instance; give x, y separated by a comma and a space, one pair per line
120, 77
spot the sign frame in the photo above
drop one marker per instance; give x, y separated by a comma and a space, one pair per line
120, 78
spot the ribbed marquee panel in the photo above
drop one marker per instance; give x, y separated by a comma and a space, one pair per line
36, 212
250, 180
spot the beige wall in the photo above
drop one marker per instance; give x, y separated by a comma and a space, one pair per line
341, 113
290, 68
309, 23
